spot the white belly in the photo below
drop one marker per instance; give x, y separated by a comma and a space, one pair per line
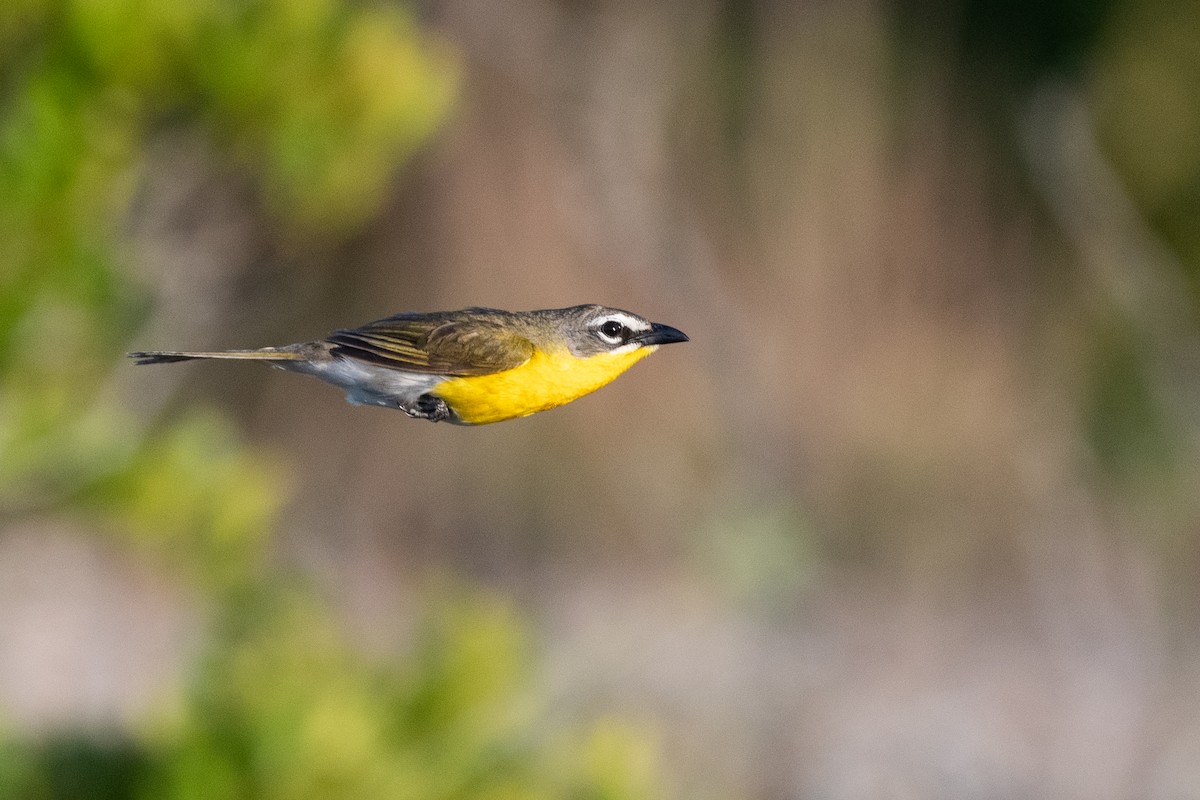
368, 384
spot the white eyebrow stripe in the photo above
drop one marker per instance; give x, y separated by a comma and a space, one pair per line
628, 320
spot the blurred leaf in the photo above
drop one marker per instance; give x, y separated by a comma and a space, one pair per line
762, 554
1126, 426
1147, 113
196, 497
622, 762
72, 767
286, 709
19, 772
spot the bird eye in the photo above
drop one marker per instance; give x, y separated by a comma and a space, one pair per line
613, 331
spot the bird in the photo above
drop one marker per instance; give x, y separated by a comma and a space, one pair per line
474, 366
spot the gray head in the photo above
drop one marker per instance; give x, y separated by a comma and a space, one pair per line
590, 330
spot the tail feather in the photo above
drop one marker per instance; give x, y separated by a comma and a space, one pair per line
171, 356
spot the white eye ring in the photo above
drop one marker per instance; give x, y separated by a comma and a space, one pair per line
612, 331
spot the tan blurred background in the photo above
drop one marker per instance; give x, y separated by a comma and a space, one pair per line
912, 515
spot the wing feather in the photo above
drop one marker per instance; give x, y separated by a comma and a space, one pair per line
471, 342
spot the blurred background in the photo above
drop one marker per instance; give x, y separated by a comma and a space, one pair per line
913, 515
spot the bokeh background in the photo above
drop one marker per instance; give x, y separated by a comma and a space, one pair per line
913, 515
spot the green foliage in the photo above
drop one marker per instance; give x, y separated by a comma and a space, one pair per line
73, 767
320, 99
198, 499
1126, 425
1147, 112
285, 709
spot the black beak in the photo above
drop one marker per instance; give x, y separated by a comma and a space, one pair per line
662, 334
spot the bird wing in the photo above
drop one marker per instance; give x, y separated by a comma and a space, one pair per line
436, 344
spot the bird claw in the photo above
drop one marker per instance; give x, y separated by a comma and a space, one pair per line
429, 407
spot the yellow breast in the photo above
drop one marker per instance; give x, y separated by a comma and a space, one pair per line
546, 380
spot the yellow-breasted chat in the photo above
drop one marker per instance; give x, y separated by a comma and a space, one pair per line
468, 367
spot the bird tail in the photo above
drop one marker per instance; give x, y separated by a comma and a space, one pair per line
171, 356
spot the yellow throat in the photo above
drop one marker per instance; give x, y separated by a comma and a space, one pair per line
546, 380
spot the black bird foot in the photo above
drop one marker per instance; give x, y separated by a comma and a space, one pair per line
429, 407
